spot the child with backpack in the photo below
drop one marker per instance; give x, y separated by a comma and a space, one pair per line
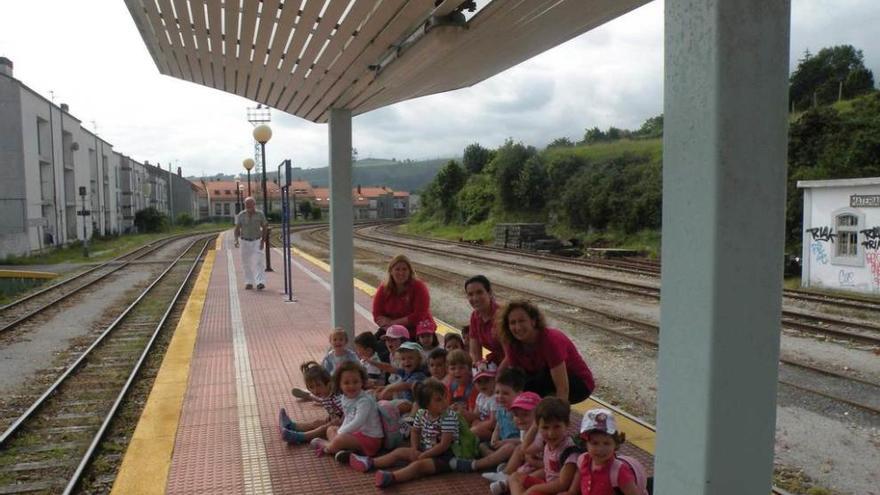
560, 452
505, 436
435, 429
365, 345
601, 471
320, 389
462, 394
361, 429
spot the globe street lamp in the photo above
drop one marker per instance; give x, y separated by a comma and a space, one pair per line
262, 134
248, 165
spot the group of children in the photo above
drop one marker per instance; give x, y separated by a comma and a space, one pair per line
433, 411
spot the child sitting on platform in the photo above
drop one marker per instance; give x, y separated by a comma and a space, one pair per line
320, 389
529, 454
410, 372
361, 429
365, 347
505, 436
426, 334
437, 367
339, 351
601, 471
462, 393
453, 341
435, 429
483, 422
394, 337
560, 452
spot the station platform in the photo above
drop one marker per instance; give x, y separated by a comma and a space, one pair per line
210, 423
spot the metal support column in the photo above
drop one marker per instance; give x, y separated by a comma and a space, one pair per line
341, 222
724, 156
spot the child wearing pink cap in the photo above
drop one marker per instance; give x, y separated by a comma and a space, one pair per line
483, 419
395, 336
528, 455
426, 334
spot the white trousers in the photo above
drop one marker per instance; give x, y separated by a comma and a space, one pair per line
253, 260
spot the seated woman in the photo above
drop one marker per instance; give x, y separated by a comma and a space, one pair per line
402, 299
552, 363
481, 328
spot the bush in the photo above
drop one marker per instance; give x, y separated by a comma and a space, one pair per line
150, 220
185, 220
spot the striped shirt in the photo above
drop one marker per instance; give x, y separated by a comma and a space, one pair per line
431, 428
332, 404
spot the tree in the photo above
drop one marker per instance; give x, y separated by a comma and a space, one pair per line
562, 142
594, 135
316, 214
449, 182
475, 158
651, 128
150, 220
833, 73
507, 167
305, 207
476, 199
531, 186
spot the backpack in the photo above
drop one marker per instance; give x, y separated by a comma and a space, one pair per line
644, 483
389, 416
467, 446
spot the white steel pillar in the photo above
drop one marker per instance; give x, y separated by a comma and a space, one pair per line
724, 158
341, 222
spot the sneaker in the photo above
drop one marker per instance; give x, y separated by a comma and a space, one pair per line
501, 467
261, 286
342, 456
495, 476
301, 393
360, 463
293, 437
319, 444
384, 478
498, 487
284, 421
248, 286
461, 465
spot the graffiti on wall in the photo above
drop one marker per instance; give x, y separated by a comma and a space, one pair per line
846, 279
822, 234
818, 250
873, 260
872, 237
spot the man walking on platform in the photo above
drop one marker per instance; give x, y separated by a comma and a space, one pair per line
252, 228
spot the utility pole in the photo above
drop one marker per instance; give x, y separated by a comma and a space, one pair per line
170, 195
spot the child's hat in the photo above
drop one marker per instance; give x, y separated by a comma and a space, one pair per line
601, 420
426, 326
411, 346
484, 369
396, 332
526, 400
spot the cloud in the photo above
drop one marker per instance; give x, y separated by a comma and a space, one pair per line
611, 76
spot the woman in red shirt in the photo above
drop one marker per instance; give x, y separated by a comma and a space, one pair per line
482, 325
552, 363
402, 299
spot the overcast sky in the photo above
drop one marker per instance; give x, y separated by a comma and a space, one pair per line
89, 53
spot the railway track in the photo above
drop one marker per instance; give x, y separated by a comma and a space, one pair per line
645, 267
647, 333
844, 328
49, 445
21, 310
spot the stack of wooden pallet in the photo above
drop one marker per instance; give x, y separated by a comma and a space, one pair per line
519, 235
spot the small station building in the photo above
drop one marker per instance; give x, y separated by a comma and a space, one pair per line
841, 243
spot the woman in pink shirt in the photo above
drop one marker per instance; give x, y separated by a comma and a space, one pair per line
552, 363
402, 299
482, 325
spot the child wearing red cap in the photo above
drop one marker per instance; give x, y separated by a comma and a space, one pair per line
426, 334
560, 453
528, 455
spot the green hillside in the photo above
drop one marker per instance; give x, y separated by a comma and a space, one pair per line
399, 175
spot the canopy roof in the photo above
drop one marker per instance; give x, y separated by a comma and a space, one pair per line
307, 56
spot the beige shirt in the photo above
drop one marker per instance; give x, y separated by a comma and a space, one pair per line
250, 224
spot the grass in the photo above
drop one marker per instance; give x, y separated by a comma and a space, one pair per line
103, 249
433, 228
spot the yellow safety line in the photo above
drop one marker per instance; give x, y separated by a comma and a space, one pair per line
26, 274
636, 433
148, 457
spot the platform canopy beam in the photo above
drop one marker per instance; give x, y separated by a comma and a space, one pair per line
724, 164
306, 57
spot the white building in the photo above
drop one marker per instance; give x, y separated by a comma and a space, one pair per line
841, 243
52, 168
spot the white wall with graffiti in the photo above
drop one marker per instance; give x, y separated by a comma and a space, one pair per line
841, 243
